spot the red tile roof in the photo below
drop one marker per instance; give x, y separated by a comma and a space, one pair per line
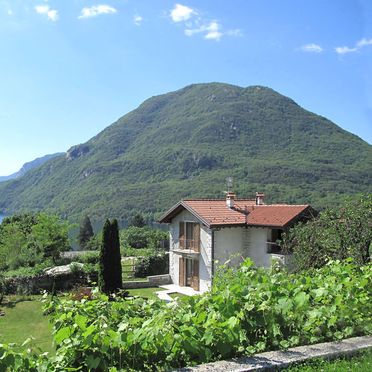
245, 212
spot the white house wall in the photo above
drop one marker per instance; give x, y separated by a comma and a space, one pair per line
233, 244
205, 257
257, 249
229, 244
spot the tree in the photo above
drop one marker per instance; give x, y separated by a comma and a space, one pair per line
104, 263
109, 279
137, 221
50, 235
143, 237
85, 232
116, 257
336, 234
30, 239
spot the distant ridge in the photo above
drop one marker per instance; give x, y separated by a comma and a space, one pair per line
185, 143
30, 165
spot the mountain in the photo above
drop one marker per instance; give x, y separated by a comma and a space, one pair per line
185, 143
30, 165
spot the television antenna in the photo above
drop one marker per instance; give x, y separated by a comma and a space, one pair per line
229, 183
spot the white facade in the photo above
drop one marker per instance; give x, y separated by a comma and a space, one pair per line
230, 244
205, 255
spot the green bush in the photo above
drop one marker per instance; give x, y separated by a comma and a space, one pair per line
137, 252
142, 237
247, 311
336, 234
27, 240
2, 288
152, 265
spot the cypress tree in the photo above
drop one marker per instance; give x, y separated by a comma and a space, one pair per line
110, 273
104, 259
85, 232
116, 257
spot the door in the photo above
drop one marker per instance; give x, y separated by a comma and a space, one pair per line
189, 271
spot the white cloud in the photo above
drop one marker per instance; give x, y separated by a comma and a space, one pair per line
52, 14
364, 42
345, 50
193, 24
10, 12
137, 19
359, 45
312, 48
181, 13
95, 10
211, 31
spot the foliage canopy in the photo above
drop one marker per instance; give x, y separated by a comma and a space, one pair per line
336, 233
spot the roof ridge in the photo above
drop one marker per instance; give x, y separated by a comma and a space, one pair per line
211, 199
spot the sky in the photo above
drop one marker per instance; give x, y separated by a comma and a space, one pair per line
70, 68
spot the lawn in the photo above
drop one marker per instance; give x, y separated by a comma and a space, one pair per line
144, 292
24, 318
359, 363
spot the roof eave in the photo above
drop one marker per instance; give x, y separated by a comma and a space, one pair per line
172, 212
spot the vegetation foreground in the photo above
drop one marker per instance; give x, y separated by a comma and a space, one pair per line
248, 311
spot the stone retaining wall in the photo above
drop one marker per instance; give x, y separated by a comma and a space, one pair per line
37, 284
277, 360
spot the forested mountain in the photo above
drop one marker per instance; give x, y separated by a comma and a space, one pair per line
185, 143
29, 165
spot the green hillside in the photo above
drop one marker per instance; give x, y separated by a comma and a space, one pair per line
185, 143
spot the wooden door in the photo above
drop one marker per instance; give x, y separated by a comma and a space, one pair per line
181, 269
195, 275
196, 237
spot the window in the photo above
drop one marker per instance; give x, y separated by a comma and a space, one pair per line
189, 236
272, 242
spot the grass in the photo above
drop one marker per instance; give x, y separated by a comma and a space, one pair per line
177, 295
144, 292
24, 318
361, 362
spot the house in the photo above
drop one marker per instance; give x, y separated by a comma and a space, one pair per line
204, 233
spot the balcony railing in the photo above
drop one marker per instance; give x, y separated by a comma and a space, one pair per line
189, 244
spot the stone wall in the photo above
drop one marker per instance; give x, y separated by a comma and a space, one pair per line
37, 284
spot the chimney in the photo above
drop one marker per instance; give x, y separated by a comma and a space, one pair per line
230, 197
260, 196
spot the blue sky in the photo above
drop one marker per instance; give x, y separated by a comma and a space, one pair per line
69, 68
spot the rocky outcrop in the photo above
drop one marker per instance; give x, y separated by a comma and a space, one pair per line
77, 151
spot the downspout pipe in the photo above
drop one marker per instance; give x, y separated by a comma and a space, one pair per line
212, 256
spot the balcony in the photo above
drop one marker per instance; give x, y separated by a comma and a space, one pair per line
188, 247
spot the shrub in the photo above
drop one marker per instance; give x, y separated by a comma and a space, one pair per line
142, 237
247, 311
152, 265
335, 234
2, 288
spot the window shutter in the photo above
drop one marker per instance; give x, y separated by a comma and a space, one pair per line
196, 237
181, 270
195, 275
182, 235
